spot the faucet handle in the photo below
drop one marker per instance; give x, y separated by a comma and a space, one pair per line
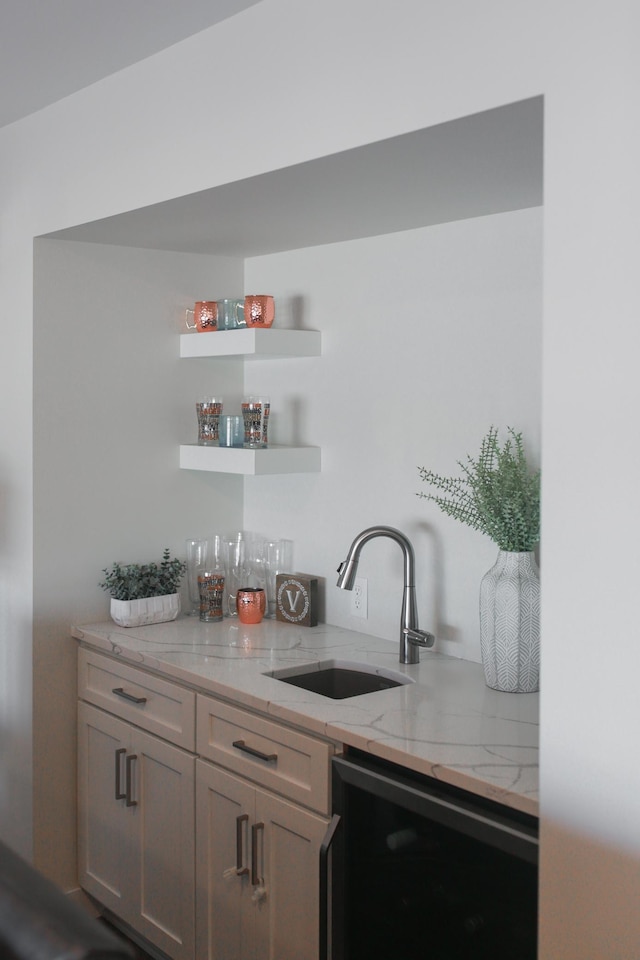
420, 638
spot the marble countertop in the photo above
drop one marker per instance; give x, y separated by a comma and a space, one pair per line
446, 723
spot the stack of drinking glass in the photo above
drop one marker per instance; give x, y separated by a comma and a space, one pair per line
219, 566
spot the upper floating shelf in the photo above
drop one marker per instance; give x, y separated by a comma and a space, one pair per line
251, 343
273, 459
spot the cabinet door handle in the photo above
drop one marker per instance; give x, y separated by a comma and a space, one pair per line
240, 821
323, 948
119, 692
241, 745
119, 794
130, 802
255, 879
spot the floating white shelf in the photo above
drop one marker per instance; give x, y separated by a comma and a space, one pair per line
273, 459
251, 343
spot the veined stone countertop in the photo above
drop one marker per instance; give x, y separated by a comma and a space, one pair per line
447, 723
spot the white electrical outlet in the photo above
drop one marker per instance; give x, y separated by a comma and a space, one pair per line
359, 598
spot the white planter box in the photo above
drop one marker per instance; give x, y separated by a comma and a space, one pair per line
136, 613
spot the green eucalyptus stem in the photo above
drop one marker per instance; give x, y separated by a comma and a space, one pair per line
497, 493
137, 581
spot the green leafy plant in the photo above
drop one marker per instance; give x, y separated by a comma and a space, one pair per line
136, 581
496, 494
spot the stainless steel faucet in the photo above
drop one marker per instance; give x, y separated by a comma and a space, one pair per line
411, 638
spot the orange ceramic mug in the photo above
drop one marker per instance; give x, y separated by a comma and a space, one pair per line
259, 310
250, 604
205, 316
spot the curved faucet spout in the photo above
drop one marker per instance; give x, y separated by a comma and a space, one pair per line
411, 637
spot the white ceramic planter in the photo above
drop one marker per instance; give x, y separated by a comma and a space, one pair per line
510, 623
136, 613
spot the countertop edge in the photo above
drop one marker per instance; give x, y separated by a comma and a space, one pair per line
503, 773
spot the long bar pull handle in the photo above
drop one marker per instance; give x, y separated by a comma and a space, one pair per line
240, 821
255, 879
241, 745
323, 939
119, 793
130, 802
119, 692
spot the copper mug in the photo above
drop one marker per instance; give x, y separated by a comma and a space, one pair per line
259, 310
250, 604
205, 316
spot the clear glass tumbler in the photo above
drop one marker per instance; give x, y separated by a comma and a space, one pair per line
255, 413
279, 559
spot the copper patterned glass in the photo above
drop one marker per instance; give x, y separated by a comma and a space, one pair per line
211, 589
255, 413
208, 410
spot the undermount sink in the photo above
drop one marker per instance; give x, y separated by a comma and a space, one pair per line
339, 679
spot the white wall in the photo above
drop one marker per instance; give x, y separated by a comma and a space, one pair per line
340, 75
590, 781
112, 403
429, 337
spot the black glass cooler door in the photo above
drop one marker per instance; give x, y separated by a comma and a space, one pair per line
422, 875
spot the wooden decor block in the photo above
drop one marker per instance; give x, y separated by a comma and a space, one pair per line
297, 599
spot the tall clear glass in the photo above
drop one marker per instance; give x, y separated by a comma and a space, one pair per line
198, 553
203, 555
279, 559
256, 563
234, 561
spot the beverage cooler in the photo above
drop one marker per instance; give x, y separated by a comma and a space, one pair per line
413, 869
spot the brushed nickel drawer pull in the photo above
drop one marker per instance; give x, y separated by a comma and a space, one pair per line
130, 802
241, 745
119, 794
255, 879
119, 692
240, 821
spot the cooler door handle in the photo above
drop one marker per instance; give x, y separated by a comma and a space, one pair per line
325, 846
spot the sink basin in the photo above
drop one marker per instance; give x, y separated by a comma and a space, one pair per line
340, 679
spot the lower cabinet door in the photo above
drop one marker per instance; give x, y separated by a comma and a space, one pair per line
256, 872
136, 829
288, 858
104, 823
224, 909
163, 843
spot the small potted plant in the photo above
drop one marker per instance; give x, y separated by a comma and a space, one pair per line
499, 495
143, 593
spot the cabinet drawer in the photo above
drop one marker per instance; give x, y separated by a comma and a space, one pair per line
164, 708
290, 763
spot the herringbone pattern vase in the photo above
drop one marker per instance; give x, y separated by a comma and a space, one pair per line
510, 623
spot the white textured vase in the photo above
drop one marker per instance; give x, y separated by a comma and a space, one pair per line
510, 623
136, 613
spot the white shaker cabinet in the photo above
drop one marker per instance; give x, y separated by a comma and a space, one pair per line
136, 805
257, 860
256, 871
200, 823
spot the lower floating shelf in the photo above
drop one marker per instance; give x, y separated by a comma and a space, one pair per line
273, 459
